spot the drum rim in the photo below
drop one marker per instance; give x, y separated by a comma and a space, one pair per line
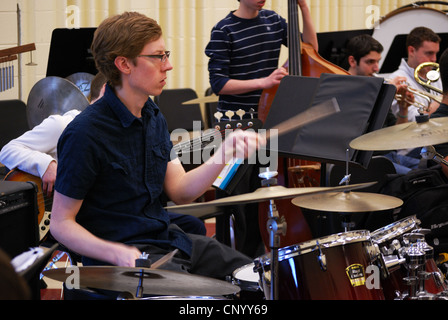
397, 11
315, 244
390, 231
243, 282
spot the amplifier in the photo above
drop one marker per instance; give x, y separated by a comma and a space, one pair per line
18, 217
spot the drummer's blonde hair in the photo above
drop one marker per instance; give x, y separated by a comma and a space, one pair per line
122, 35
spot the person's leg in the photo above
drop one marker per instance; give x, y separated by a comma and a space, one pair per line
213, 259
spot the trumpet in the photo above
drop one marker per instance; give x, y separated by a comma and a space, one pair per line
423, 94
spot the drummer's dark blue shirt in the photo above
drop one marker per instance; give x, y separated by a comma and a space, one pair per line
116, 163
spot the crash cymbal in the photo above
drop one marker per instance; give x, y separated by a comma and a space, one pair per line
263, 194
404, 136
53, 95
155, 282
348, 202
207, 99
82, 80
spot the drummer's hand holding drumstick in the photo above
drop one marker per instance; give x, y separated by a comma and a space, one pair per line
240, 144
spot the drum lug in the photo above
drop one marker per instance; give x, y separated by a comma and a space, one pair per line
321, 258
438, 279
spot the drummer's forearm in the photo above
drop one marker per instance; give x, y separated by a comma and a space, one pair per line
76, 238
184, 187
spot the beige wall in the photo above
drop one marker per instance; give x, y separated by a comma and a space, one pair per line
186, 25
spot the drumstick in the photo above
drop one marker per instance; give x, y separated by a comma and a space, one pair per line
314, 113
163, 260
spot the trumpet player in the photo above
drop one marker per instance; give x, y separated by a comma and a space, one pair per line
363, 57
422, 45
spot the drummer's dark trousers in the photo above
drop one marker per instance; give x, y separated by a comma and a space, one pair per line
209, 258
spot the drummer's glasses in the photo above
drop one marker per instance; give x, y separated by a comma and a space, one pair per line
162, 57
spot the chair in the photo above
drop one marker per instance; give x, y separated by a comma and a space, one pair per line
179, 116
13, 123
13, 120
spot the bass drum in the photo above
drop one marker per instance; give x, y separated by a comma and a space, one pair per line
403, 20
334, 267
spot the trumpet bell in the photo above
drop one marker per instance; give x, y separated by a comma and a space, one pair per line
431, 76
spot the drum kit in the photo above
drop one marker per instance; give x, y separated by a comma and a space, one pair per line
392, 263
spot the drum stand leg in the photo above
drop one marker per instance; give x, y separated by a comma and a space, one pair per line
276, 226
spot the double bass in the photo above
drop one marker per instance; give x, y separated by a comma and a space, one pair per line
303, 60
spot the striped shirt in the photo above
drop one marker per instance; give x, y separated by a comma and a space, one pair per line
244, 49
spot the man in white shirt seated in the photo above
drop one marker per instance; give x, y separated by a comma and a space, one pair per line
422, 45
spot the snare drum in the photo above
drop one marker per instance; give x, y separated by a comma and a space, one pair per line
247, 279
328, 268
390, 239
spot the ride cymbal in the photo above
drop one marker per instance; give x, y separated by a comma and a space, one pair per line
155, 282
264, 194
348, 202
404, 136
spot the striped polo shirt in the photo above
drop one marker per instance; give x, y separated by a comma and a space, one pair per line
244, 49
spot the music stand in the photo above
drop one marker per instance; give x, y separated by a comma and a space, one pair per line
70, 52
364, 103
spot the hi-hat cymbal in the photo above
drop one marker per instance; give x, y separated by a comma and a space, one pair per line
264, 194
155, 282
404, 136
53, 95
348, 202
207, 99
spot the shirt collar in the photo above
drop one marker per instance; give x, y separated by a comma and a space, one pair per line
122, 112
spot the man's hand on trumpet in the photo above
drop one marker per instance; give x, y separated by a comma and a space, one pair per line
404, 97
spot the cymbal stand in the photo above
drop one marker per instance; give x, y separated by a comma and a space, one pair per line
347, 223
142, 262
276, 225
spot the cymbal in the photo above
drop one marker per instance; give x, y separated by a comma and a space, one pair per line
264, 194
53, 95
348, 202
82, 80
155, 281
207, 99
404, 136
